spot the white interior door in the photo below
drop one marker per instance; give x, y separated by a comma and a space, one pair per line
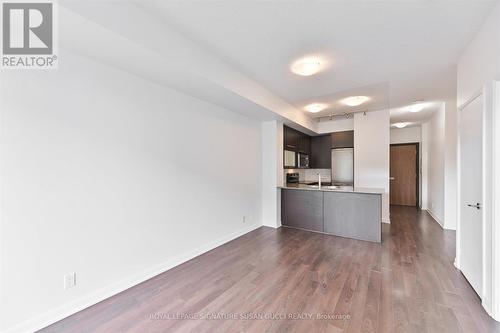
471, 189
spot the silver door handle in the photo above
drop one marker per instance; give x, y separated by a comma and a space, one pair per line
391, 178
478, 205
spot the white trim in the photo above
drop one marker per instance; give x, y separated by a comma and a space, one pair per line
487, 192
495, 204
479, 94
386, 220
455, 263
274, 226
68, 309
434, 216
471, 99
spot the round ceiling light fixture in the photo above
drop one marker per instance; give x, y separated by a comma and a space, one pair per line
306, 66
415, 107
401, 125
355, 100
315, 107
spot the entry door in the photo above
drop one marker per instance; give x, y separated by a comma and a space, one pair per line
404, 176
471, 186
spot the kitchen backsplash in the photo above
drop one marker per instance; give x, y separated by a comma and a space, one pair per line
306, 175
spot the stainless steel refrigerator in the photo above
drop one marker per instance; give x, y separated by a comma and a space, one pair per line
343, 166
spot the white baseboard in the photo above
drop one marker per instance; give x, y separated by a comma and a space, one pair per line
455, 263
386, 220
486, 303
271, 225
73, 307
435, 218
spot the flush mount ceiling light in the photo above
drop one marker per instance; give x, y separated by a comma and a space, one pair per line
306, 66
315, 107
355, 100
415, 107
401, 125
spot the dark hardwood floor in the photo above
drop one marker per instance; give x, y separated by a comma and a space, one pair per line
406, 284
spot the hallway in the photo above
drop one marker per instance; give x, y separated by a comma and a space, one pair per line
407, 284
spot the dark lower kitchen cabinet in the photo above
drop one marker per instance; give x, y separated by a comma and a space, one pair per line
347, 214
302, 209
320, 157
355, 215
344, 139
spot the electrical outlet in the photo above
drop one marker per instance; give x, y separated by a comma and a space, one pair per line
69, 280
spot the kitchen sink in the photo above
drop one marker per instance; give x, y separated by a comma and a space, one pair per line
322, 184
338, 187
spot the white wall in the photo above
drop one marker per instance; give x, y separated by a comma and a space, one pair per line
114, 178
450, 156
424, 157
433, 152
406, 135
337, 125
478, 67
272, 176
371, 153
480, 61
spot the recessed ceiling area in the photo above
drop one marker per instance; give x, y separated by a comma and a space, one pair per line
411, 46
378, 100
401, 114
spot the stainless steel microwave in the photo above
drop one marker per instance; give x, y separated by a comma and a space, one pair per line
303, 160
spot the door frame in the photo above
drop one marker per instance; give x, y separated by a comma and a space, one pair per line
417, 168
490, 293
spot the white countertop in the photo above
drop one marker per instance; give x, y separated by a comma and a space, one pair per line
345, 189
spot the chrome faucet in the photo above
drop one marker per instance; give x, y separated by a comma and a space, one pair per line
319, 180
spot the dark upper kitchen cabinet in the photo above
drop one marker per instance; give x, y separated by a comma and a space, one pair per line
343, 139
318, 148
321, 147
304, 144
296, 141
290, 138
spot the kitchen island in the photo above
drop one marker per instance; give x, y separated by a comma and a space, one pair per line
337, 210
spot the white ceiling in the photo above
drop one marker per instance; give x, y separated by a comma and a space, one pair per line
409, 48
379, 99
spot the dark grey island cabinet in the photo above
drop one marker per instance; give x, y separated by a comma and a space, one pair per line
348, 214
303, 209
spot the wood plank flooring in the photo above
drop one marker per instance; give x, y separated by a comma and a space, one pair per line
289, 280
